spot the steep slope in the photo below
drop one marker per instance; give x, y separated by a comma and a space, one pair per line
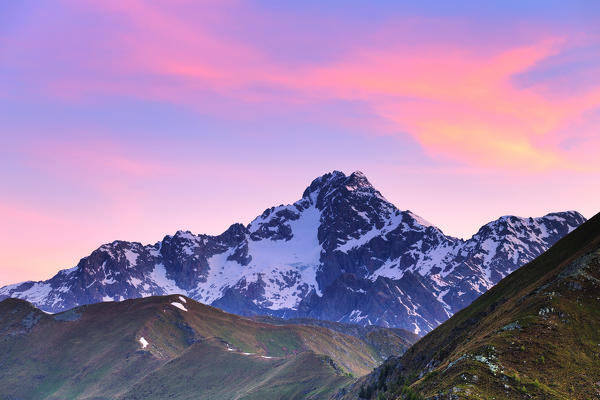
168, 347
341, 253
534, 335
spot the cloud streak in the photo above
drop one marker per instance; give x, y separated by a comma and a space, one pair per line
460, 102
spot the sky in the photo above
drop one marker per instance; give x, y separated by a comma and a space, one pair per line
133, 119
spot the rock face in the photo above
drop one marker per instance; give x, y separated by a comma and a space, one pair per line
342, 253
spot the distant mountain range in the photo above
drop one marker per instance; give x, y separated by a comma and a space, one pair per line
535, 335
341, 253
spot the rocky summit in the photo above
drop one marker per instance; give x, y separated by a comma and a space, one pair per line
341, 253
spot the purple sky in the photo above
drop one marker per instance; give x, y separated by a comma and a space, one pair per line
130, 120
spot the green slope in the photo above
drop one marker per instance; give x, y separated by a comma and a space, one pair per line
386, 341
94, 352
205, 371
534, 335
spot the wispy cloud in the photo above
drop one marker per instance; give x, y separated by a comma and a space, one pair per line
459, 101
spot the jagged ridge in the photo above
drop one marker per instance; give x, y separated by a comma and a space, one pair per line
342, 253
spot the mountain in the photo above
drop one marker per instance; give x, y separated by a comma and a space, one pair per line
340, 253
536, 334
169, 347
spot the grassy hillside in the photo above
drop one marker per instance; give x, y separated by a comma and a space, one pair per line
386, 341
192, 351
534, 335
205, 371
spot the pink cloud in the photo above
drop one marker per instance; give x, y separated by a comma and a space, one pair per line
457, 101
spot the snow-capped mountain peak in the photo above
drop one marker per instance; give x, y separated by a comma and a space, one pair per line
342, 252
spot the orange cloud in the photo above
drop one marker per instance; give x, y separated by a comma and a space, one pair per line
457, 101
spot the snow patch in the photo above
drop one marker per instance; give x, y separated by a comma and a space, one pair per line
168, 286
179, 305
108, 281
356, 316
489, 246
37, 293
389, 269
366, 237
417, 330
420, 220
186, 235
135, 281
287, 268
131, 257
67, 272
144, 342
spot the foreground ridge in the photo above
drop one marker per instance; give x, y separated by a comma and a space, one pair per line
172, 347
